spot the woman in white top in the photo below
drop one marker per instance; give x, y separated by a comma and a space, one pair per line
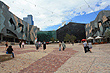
90, 46
85, 46
23, 44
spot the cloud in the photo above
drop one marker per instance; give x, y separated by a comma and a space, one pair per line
53, 12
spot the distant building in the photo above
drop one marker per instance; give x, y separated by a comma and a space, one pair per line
46, 35
14, 29
29, 19
76, 29
99, 26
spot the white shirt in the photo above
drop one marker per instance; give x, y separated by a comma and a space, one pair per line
85, 44
22, 43
90, 45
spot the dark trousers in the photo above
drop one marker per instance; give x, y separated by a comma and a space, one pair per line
37, 47
86, 49
63, 48
20, 46
10, 53
23, 46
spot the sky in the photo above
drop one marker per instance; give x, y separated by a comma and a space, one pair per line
50, 14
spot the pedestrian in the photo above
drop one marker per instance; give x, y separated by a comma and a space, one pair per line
6, 44
44, 45
63, 45
86, 48
10, 51
90, 46
20, 44
23, 44
73, 43
37, 45
59, 46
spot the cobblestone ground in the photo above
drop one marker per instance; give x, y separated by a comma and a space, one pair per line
72, 60
96, 62
51, 62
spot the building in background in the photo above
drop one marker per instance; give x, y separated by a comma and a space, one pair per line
76, 29
99, 26
46, 35
13, 29
29, 19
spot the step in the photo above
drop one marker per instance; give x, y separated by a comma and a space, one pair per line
5, 57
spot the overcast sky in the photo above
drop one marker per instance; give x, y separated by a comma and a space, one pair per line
51, 13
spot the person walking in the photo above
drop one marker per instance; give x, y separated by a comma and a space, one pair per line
9, 51
37, 45
6, 44
73, 43
63, 45
20, 44
44, 45
23, 44
90, 46
85, 46
59, 46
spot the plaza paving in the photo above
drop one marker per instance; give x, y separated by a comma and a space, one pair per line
72, 60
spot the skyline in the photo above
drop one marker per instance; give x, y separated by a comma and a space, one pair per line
49, 15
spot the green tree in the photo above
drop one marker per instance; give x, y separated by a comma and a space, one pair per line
72, 38
56, 39
67, 37
52, 39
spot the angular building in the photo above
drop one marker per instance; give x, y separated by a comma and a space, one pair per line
29, 19
99, 26
76, 29
13, 29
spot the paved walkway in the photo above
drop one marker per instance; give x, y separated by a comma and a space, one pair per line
72, 60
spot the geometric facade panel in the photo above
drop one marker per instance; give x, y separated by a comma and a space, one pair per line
21, 29
99, 25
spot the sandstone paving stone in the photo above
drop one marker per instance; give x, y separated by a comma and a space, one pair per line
21, 60
50, 63
72, 60
96, 62
76, 64
100, 65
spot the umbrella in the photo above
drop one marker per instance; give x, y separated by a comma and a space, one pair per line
83, 40
90, 38
98, 37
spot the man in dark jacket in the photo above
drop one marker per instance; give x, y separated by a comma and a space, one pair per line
9, 51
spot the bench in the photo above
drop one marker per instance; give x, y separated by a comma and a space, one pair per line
5, 57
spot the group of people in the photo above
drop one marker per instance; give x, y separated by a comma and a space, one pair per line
9, 49
38, 44
63, 45
87, 47
21, 43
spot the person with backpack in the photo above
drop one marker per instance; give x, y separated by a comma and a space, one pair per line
63, 45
